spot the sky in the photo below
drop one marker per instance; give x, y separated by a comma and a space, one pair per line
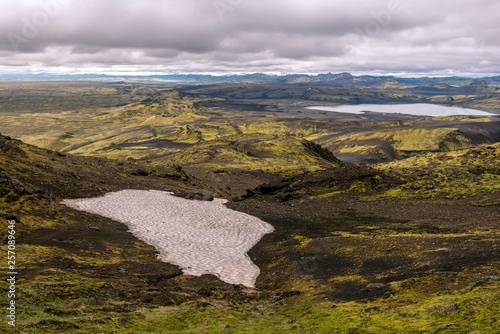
379, 37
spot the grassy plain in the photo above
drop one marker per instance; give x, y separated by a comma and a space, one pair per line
122, 121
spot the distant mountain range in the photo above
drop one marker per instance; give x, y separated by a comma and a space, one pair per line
342, 79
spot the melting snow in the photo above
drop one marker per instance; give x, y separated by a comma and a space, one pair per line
200, 237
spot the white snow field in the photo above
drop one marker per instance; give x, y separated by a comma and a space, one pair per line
200, 237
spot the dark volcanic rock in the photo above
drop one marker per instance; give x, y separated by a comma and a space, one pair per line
195, 196
272, 186
13, 216
8, 179
140, 172
449, 309
477, 170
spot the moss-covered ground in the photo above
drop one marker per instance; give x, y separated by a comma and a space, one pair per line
119, 121
406, 246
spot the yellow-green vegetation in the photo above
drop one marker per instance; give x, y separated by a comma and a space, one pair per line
403, 140
393, 85
356, 187
488, 100
255, 152
392, 315
426, 139
353, 148
122, 121
473, 174
408, 312
479, 119
85, 274
418, 254
303, 241
265, 126
75, 289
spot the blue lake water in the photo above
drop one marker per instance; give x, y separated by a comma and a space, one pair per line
418, 109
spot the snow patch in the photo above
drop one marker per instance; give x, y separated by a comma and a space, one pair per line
200, 237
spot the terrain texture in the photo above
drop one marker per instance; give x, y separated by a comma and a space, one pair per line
383, 223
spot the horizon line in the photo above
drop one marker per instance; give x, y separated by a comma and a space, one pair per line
270, 74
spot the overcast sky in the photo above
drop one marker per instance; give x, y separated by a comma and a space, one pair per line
404, 37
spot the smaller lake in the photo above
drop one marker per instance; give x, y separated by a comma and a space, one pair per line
418, 109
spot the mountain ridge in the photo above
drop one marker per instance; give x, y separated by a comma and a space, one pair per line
343, 78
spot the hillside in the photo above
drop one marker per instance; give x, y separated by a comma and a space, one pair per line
250, 167
347, 245
122, 121
410, 239
344, 79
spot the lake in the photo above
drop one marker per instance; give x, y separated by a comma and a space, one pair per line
418, 109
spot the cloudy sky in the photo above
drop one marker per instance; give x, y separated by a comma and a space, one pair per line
404, 37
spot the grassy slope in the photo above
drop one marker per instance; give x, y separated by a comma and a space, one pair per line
251, 152
71, 284
472, 175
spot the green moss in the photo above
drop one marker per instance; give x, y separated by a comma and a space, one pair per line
420, 139
4, 190
11, 197
270, 153
67, 286
456, 175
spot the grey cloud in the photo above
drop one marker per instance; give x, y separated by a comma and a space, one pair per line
255, 35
